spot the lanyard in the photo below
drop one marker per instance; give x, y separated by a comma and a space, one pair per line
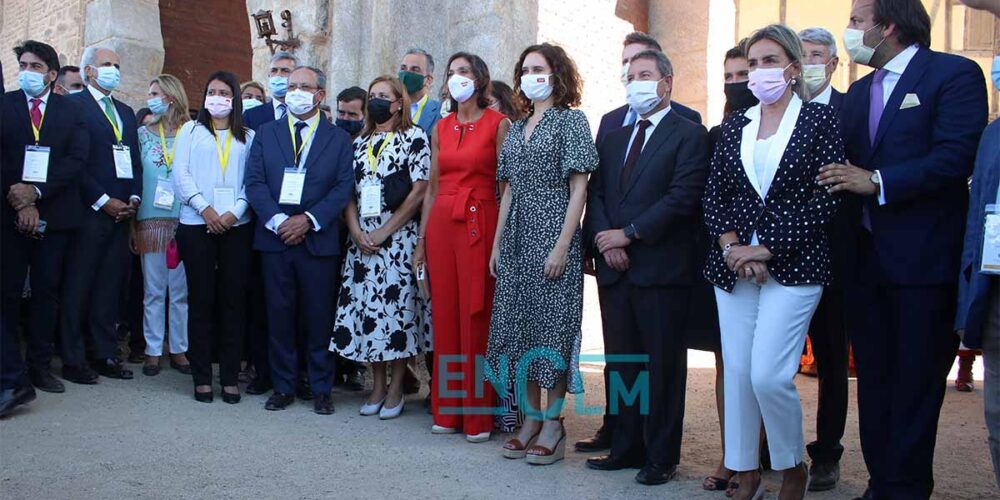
223, 154
420, 109
168, 155
112, 120
37, 131
372, 158
297, 148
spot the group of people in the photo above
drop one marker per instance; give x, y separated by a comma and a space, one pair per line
305, 242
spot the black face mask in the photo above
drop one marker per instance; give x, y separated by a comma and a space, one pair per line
378, 109
351, 126
739, 96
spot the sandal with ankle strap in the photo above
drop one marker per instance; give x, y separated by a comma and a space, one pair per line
514, 449
540, 455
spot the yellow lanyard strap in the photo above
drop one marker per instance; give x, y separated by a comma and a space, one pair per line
297, 148
168, 155
37, 131
420, 109
223, 154
372, 158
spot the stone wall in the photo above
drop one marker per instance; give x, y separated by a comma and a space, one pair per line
56, 22
682, 29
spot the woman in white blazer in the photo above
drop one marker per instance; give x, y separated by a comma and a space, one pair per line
767, 213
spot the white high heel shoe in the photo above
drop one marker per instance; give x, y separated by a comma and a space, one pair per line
372, 409
391, 413
482, 437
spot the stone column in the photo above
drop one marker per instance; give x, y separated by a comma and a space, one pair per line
682, 27
132, 29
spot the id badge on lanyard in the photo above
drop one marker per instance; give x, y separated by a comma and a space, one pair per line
36, 164
163, 197
371, 199
991, 241
292, 184
123, 161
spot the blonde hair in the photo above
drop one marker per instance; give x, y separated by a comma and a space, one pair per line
178, 114
792, 45
256, 85
405, 122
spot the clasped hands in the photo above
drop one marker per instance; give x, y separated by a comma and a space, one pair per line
611, 243
749, 262
218, 224
369, 243
119, 210
22, 199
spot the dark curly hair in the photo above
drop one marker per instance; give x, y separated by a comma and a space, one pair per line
567, 86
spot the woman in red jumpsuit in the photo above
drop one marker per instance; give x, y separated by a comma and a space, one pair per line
458, 223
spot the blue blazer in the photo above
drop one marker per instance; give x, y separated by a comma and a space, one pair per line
258, 116
99, 175
925, 155
836, 100
329, 184
64, 132
973, 286
430, 117
613, 119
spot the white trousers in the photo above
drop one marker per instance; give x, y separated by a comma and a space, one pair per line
159, 284
763, 331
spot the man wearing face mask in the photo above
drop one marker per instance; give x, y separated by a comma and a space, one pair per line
282, 64
625, 116
351, 110
69, 81
911, 128
111, 186
978, 320
417, 74
44, 147
820, 56
643, 205
299, 179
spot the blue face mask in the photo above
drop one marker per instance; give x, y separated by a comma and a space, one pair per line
350, 126
278, 85
157, 105
995, 73
249, 104
108, 77
31, 83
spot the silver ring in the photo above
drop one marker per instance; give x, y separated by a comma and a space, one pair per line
747, 269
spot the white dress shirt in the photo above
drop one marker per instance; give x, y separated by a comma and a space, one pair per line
45, 101
894, 71
308, 134
197, 171
630, 117
278, 113
99, 97
654, 120
824, 96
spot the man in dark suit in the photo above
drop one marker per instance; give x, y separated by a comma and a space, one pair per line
42, 211
617, 119
911, 129
643, 202
299, 178
828, 331
111, 186
282, 64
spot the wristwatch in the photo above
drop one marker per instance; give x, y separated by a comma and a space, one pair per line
630, 232
876, 179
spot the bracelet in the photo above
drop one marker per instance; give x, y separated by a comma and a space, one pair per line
729, 248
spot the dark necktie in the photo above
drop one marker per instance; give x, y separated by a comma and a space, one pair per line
282, 110
633, 152
299, 146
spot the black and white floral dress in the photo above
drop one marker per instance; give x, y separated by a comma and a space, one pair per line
536, 320
381, 315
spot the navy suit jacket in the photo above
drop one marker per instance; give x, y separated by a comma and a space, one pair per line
662, 200
613, 120
258, 116
64, 132
973, 286
329, 183
99, 177
836, 100
925, 155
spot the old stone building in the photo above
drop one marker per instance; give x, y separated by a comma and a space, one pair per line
356, 40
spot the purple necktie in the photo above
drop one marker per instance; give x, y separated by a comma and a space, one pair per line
877, 105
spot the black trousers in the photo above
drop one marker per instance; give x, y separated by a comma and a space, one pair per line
93, 288
828, 334
131, 309
647, 321
904, 346
217, 269
48, 264
14, 267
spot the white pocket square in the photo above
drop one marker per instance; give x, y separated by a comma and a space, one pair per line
910, 101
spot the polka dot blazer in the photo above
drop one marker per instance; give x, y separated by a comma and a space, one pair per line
791, 220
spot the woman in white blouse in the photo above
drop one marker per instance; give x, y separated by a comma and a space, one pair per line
214, 236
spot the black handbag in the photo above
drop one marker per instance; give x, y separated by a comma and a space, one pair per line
396, 187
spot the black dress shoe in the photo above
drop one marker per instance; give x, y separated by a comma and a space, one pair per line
112, 368
43, 380
304, 391
653, 474
323, 404
79, 374
824, 476
259, 386
203, 397
867, 495
610, 462
230, 398
185, 369
279, 401
12, 398
600, 442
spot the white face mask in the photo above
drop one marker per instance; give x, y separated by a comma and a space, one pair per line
643, 95
854, 42
299, 102
218, 106
461, 88
536, 87
814, 76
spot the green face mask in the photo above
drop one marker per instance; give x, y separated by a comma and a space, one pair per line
412, 81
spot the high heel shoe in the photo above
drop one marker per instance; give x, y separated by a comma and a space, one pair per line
540, 455
368, 410
230, 398
203, 397
514, 449
391, 413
